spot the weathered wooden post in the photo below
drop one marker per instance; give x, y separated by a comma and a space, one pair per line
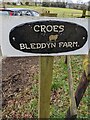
84, 82
45, 81
73, 108
46, 70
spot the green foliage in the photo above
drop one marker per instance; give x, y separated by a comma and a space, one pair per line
60, 87
54, 4
31, 107
45, 4
27, 3
8, 3
14, 3
59, 78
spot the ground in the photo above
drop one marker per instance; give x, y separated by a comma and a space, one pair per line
18, 77
20, 87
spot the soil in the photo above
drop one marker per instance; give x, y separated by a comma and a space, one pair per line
17, 75
20, 88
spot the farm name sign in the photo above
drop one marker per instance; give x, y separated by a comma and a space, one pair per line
51, 41
47, 37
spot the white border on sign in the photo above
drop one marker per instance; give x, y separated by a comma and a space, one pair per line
9, 22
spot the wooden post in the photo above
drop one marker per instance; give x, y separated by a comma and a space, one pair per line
86, 64
46, 70
84, 82
84, 13
73, 108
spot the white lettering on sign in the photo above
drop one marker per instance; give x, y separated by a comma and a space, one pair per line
36, 28
37, 45
48, 45
68, 44
49, 28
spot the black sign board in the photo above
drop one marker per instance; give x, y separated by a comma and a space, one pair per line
48, 36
